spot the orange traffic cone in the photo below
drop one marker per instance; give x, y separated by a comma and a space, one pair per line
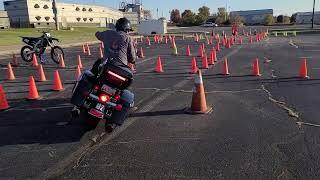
255, 68
199, 102
131, 66
224, 42
240, 40
79, 62
205, 62
34, 60
213, 56
158, 67
225, 68
57, 85
84, 51
218, 47
228, 45
203, 48
304, 69
88, 50
10, 74
201, 51
61, 62
33, 91
208, 41
42, 76
188, 51
14, 61
100, 52
3, 100
194, 68
78, 72
148, 41
141, 55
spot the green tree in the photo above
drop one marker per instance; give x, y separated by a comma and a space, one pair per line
236, 19
293, 18
280, 19
175, 16
268, 20
187, 13
222, 14
286, 19
200, 19
204, 11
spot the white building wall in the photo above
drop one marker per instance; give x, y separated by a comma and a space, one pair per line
305, 18
39, 13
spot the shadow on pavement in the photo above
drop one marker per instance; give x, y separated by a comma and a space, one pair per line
158, 113
40, 122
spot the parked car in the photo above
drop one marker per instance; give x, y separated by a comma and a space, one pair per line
209, 24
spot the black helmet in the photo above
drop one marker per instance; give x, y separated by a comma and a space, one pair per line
123, 24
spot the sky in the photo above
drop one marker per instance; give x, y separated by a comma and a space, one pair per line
286, 7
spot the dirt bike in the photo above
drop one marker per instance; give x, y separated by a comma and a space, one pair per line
38, 46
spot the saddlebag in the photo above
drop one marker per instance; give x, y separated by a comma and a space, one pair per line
82, 89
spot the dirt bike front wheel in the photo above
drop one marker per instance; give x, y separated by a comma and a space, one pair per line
56, 53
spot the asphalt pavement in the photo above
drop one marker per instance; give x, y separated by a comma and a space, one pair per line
260, 128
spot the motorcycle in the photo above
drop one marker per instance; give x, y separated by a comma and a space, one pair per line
103, 96
36, 45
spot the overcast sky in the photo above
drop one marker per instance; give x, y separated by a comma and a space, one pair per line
280, 6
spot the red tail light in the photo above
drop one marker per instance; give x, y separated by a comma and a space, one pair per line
118, 107
104, 98
115, 78
117, 97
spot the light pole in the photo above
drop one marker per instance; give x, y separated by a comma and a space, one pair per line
314, 3
55, 12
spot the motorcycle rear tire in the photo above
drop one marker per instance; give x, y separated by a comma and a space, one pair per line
91, 122
26, 58
55, 56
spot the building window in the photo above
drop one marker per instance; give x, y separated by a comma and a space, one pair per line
84, 9
78, 19
90, 10
91, 19
77, 9
45, 7
48, 24
47, 18
38, 23
38, 18
36, 6
85, 19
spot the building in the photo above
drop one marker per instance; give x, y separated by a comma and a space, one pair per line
306, 17
253, 17
39, 13
4, 20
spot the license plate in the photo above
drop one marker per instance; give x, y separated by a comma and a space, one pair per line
100, 107
108, 90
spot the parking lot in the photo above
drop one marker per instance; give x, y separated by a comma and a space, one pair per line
260, 128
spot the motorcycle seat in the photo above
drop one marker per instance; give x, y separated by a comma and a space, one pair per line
31, 39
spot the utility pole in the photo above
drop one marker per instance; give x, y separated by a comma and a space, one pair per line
314, 3
55, 12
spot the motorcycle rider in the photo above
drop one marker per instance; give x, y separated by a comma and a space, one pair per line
118, 46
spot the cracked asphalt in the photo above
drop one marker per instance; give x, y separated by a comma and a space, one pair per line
261, 127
